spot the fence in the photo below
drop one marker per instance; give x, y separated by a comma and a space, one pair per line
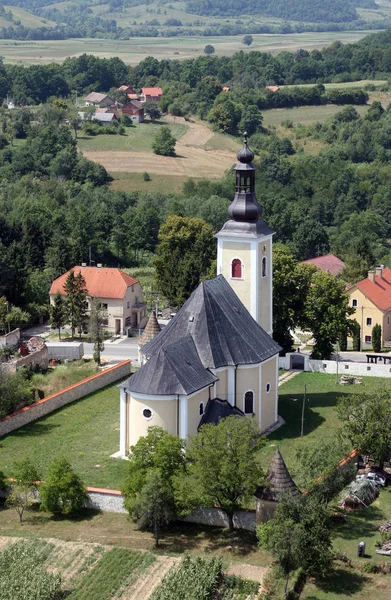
66, 396
330, 366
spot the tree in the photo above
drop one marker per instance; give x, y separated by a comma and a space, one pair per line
298, 536
24, 488
291, 282
247, 40
209, 49
376, 338
251, 120
152, 110
58, 314
326, 312
356, 333
319, 470
164, 142
184, 253
63, 492
366, 422
157, 450
155, 504
76, 301
97, 321
223, 467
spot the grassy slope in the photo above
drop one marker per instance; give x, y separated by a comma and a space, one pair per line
136, 138
26, 18
321, 420
86, 431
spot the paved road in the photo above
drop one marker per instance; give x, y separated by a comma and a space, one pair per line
126, 348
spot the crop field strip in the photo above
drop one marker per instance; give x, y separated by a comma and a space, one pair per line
135, 50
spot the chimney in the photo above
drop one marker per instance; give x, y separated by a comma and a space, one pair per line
99, 265
371, 276
379, 271
83, 265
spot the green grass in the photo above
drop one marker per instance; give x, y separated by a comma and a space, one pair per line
116, 568
304, 114
86, 431
139, 137
129, 182
62, 376
136, 49
320, 421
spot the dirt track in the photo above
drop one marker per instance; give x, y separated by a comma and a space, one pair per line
192, 160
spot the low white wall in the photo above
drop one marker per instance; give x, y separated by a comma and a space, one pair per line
10, 339
217, 518
344, 367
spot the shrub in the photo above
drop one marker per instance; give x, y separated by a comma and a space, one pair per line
164, 142
146, 176
63, 492
3, 482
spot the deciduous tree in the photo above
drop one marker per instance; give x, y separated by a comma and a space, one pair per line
223, 466
184, 253
366, 422
63, 492
24, 486
164, 142
298, 536
209, 49
247, 40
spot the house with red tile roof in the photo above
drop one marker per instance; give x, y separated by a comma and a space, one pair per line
328, 264
273, 88
134, 109
371, 299
127, 89
151, 94
119, 293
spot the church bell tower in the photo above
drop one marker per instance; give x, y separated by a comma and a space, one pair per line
244, 251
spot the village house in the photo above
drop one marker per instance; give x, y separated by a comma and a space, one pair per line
151, 94
216, 356
134, 110
371, 299
119, 293
328, 264
127, 89
96, 99
105, 118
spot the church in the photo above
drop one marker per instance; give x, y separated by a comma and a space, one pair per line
216, 357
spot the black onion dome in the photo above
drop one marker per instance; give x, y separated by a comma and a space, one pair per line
245, 155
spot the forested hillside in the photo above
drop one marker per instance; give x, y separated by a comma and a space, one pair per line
121, 19
332, 11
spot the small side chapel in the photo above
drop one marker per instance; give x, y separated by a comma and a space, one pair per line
216, 357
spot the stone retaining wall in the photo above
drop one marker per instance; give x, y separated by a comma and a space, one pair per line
10, 339
217, 518
70, 394
39, 358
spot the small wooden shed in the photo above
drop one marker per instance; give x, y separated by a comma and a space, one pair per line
278, 482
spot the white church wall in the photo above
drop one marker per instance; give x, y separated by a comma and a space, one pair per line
164, 414
222, 384
194, 416
241, 250
265, 285
269, 392
247, 379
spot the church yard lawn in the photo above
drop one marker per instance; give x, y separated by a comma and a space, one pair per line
86, 432
320, 419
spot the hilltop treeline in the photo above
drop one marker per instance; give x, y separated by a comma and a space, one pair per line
335, 11
245, 72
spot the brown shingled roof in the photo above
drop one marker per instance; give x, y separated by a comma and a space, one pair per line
278, 481
152, 328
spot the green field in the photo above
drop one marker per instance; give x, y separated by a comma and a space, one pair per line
130, 182
25, 17
136, 49
304, 114
86, 431
321, 420
137, 138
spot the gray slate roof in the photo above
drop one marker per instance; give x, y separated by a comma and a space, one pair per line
279, 481
223, 331
218, 409
174, 369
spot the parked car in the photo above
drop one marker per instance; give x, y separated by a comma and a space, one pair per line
377, 478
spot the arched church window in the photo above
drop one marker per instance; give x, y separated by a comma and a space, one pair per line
249, 402
201, 408
264, 267
268, 388
237, 269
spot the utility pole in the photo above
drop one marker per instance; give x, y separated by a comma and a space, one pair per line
302, 411
336, 378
